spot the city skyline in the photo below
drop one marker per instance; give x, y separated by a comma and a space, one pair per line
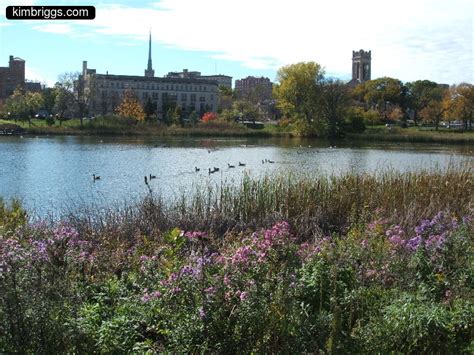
419, 40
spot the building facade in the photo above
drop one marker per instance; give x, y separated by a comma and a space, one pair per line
12, 77
222, 80
259, 87
361, 67
103, 93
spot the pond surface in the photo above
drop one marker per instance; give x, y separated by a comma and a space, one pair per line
51, 174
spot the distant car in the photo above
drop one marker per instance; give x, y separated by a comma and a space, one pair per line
42, 114
92, 117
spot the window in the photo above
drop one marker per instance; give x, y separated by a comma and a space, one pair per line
193, 97
184, 97
202, 99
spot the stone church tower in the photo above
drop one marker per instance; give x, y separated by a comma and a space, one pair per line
361, 66
149, 72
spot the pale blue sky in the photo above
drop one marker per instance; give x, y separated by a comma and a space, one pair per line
409, 39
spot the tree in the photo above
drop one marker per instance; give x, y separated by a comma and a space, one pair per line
64, 104
130, 107
355, 119
176, 116
382, 94
74, 83
420, 93
225, 98
396, 114
16, 106
371, 117
193, 117
297, 93
459, 103
23, 105
34, 101
209, 116
149, 108
245, 110
433, 112
334, 103
49, 98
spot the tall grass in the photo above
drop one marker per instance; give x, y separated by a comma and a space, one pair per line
313, 205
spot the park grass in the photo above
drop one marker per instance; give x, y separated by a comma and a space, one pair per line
413, 135
121, 127
114, 126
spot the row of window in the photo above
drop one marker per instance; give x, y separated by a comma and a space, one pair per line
164, 96
153, 86
192, 107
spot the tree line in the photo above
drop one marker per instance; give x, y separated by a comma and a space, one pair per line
303, 98
323, 106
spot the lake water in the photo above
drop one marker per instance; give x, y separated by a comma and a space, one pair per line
55, 173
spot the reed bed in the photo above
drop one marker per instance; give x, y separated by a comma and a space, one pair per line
313, 205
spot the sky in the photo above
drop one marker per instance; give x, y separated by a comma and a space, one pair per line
409, 39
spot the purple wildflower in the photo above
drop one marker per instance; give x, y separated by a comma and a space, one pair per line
414, 243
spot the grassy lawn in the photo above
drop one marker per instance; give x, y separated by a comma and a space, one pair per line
415, 135
121, 126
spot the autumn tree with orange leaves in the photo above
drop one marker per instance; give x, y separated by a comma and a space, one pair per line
131, 107
209, 116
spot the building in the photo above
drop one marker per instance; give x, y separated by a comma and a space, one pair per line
12, 77
222, 80
361, 67
104, 92
260, 88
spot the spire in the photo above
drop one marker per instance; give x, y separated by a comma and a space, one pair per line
149, 72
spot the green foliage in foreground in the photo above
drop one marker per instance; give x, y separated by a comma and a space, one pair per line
381, 279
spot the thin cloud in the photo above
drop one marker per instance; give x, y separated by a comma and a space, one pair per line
407, 38
55, 28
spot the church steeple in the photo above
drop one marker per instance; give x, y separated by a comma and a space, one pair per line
149, 72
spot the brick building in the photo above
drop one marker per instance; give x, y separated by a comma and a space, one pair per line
259, 87
12, 77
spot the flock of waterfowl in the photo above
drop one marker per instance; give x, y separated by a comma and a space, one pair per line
210, 170
196, 169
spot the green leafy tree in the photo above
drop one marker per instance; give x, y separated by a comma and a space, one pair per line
225, 99
149, 109
23, 105
49, 98
245, 110
177, 116
64, 103
420, 93
382, 94
193, 117
297, 93
334, 103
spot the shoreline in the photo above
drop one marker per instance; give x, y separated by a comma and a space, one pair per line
371, 134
